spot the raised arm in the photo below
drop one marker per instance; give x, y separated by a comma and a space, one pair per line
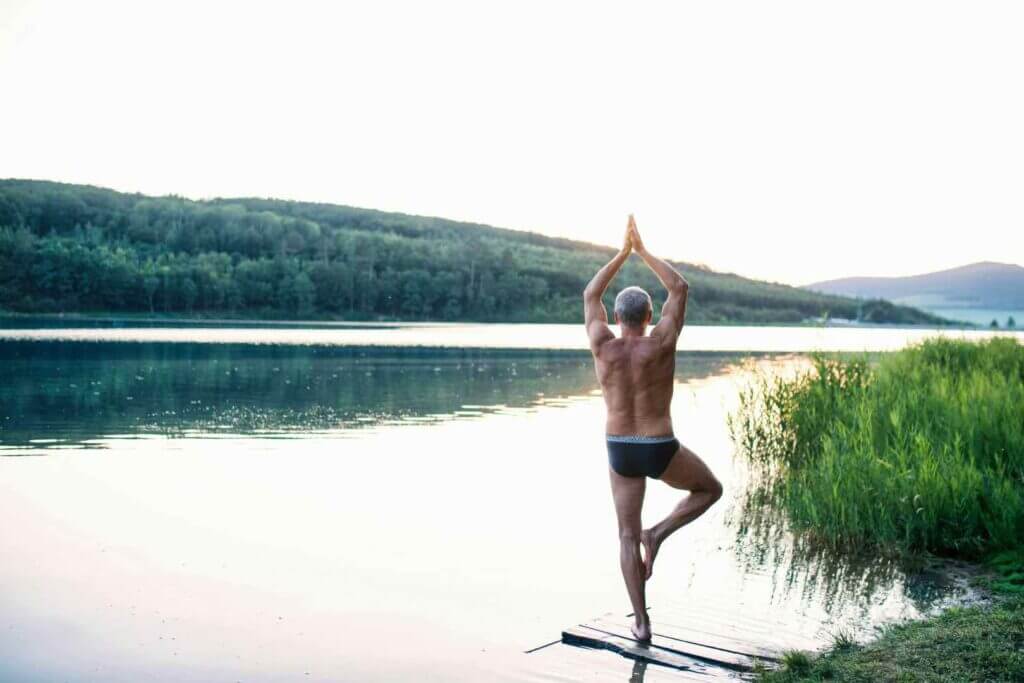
674, 310
594, 315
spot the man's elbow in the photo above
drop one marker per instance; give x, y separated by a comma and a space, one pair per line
680, 287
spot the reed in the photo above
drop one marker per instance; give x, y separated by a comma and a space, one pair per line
922, 449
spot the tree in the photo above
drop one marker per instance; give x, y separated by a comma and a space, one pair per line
418, 293
333, 283
1011, 323
296, 294
149, 283
189, 292
994, 324
303, 294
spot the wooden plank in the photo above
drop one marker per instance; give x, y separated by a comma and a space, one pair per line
583, 636
541, 647
726, 622
721, 658
695, 637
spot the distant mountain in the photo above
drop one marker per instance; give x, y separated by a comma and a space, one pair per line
983, 285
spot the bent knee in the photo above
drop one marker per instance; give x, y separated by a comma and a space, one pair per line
714, 487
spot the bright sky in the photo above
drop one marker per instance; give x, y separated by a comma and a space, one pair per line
789, 141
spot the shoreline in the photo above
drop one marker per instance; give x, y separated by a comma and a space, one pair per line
977, 640
927, 445
327, 323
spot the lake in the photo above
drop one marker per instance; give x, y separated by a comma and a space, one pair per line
377, 503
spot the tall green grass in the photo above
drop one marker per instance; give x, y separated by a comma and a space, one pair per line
923, 450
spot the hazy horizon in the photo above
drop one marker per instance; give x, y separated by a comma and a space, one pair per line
793, 143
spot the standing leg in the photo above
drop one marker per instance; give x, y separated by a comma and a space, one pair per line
628, 493
684, 471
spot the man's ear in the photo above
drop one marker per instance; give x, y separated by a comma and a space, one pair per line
616, 316
650, 315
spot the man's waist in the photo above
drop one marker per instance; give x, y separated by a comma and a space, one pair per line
639, 438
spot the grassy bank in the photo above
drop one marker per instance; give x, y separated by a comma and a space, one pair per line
921, 451
978, 643
961, 644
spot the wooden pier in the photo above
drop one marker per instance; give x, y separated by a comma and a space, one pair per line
673, 646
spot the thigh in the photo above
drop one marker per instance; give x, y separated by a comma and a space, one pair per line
628, 493
687, 471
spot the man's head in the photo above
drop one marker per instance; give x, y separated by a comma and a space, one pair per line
633, 308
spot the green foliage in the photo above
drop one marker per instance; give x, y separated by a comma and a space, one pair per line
924, 451
1008, 566
79, 248
796, 662
962, 644
843, 640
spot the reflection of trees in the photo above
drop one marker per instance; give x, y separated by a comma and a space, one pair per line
73, 392
796, 562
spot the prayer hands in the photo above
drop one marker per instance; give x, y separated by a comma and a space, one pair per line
633, 235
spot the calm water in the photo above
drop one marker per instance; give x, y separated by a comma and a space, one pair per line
198, 508
740, 339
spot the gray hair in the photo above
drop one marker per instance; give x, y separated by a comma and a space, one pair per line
632, 306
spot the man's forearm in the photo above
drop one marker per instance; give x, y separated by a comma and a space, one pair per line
671, 278
604, 277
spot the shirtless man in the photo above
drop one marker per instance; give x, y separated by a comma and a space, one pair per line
636, 373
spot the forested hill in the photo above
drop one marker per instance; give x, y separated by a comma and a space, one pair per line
76, 248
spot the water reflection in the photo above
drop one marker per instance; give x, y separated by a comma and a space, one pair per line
76, 394
805, 569
56, 322
227, 555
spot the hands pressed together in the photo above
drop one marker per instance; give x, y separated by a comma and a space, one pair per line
674, 309
632, 240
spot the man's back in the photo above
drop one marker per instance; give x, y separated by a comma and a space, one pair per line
637, 375
636, 372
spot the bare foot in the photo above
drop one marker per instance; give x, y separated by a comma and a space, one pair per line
650, 543
642, 631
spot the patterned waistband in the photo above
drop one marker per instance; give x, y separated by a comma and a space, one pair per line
637, 438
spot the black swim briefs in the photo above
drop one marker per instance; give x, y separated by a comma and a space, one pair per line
639, 456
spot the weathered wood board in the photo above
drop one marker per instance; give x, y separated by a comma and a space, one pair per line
671, 646
699, 637
583, 636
